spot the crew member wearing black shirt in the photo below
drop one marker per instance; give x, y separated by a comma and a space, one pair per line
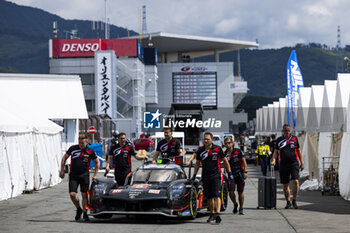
81, 156
210, 156
169, 147
238, 166
287, 146
122, 153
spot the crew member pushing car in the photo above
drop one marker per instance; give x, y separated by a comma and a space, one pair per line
210, 156
81, 156
122, 153
169, 147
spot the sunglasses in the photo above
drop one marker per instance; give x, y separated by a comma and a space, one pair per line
228, 142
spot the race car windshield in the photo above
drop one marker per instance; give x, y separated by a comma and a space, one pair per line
141, 176
154, 176
158, 176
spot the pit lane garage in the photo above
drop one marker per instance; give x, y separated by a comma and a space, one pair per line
152, 189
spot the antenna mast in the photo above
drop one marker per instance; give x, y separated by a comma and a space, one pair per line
144, 24
106, 23
339, 64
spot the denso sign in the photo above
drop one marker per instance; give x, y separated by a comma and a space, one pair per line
85, 47
75, 47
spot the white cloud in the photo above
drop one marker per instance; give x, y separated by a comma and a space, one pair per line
227, 26
275, 23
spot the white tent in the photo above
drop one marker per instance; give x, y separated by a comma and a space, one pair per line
324, 149
328, 104
276, 106
326, 127
344, 171
20, 135
259, 121
29, 140
315, 107
51, 96
341, 102
304, 149
303, 108
264, 119
269, 120
282, 114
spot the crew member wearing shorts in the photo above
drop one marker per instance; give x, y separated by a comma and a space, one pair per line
210, 156
288, 149
81, 156
238, 166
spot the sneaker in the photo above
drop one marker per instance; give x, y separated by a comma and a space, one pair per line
289, 205
85, 217
235, 208
217, 218
241, 211
211, 218
294, 203
78, 214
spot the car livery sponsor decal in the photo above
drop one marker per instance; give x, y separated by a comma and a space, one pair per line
154, 191
140, 186
117, 190
185, 213
134, 193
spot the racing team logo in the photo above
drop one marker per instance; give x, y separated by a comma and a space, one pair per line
164, 147
151, 120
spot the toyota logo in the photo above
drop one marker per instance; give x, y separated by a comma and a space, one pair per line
186, 68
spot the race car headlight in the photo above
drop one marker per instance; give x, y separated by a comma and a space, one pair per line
177, 191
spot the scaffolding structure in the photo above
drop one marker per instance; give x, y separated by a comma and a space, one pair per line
131, 94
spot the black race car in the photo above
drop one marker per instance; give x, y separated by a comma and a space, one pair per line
157, 189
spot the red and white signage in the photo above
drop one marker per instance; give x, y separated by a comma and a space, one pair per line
75, 47
194, 69
91, 130
86, 47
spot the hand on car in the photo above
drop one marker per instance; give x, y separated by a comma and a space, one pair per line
193, 178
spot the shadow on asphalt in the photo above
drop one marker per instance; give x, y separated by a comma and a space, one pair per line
149, 219
327, 204
50, 220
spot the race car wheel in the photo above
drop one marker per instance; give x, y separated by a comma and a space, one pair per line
193, 203
103, 216
224, 196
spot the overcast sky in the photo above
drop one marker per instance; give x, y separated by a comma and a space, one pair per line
275, 23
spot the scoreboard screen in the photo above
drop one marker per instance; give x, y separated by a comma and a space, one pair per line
195, 87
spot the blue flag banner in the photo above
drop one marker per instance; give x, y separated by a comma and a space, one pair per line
294, 82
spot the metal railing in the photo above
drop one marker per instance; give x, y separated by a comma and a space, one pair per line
330, 181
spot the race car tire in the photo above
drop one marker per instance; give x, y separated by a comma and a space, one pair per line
193, 203
103, 216
224, 196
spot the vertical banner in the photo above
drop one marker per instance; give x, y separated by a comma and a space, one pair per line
105, 82
294, 82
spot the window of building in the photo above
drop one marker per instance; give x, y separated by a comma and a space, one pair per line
87, 79
90, 106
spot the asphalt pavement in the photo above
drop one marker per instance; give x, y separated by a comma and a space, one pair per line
50, 210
